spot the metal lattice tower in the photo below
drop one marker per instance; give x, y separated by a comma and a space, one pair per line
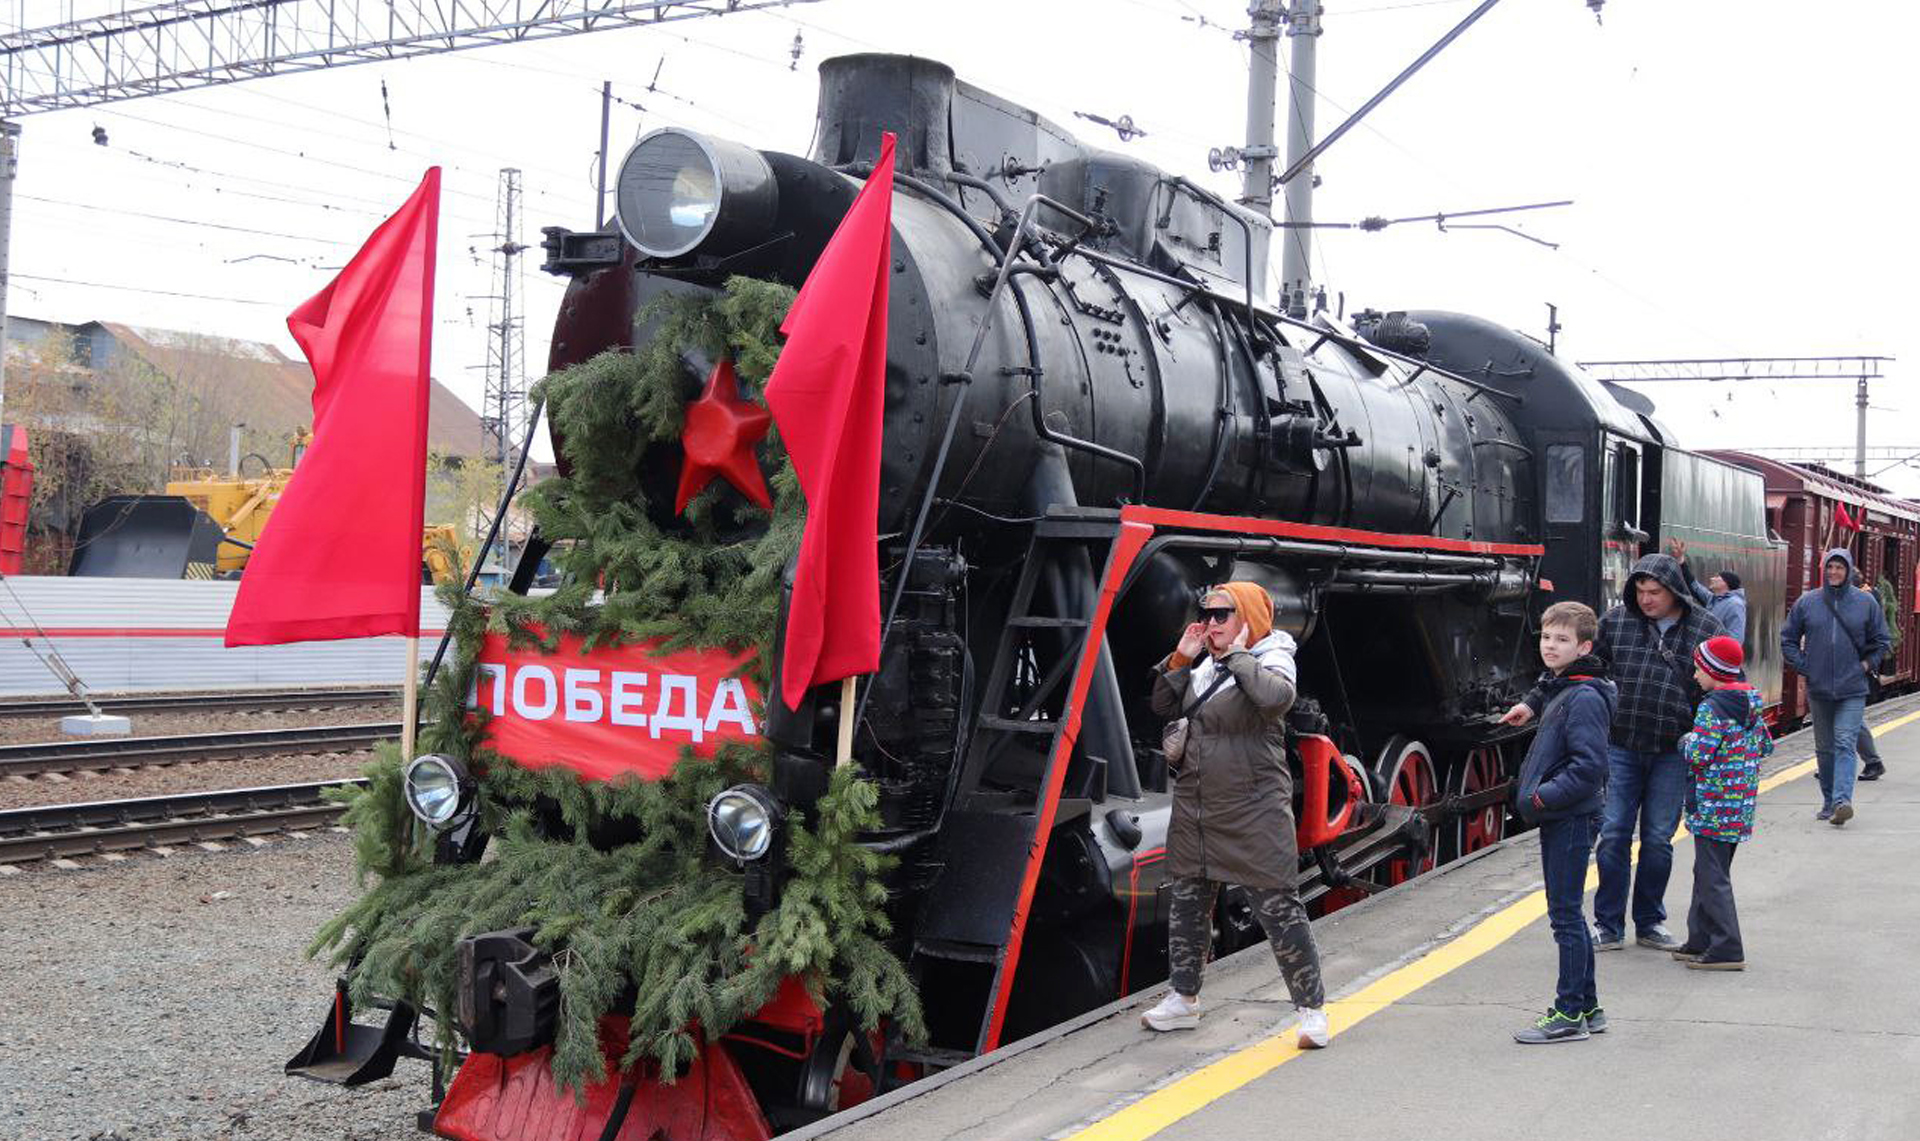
187, 44
503, 414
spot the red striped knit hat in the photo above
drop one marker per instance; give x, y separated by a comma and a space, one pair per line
1722, 658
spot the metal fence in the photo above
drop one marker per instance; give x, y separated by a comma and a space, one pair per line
130, 634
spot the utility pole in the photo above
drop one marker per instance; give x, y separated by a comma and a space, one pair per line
9, 166
1296, 266
1263, 39
1860, 427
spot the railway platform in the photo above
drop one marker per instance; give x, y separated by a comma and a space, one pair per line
1817, 1038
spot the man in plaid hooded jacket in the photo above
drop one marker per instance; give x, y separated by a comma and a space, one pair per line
1647, 640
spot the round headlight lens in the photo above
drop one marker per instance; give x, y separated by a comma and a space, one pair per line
742, 820
437, 788
677, 191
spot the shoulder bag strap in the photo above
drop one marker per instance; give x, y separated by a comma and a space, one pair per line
1220, 678
1858, 652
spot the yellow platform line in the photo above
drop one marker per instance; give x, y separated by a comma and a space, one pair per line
1190, 1094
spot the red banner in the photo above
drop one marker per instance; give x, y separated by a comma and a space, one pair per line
615, 710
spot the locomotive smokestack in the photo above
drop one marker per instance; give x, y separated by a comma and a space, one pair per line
863, 95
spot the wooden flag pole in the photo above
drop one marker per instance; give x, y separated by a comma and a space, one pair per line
843, 753
410, 702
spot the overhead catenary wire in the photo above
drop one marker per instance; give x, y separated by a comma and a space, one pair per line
141, 289
90, 206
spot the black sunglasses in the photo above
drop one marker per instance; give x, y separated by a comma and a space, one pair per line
1216, 615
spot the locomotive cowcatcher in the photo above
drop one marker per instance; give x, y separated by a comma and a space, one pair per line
1091, 415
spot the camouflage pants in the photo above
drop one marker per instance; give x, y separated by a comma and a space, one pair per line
1281, 916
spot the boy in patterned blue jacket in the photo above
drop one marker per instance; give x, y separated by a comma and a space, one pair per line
1723, 754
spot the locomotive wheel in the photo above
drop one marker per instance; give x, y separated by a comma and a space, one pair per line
838, 1077
1482, 768
1407, 776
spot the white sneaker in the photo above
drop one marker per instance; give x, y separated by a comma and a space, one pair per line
1313, 1028
1175, 1012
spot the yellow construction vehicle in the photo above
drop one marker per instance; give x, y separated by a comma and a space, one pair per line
206, 525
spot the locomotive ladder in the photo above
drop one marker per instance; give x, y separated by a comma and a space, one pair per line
994, 842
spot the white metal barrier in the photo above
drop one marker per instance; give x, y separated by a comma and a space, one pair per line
125, 634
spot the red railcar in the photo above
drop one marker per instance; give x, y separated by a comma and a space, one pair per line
1816, 509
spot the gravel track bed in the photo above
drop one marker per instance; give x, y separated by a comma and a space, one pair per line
34, 730
156, 1000
199, 776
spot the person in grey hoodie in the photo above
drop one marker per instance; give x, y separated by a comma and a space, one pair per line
1833, 638
1721, 594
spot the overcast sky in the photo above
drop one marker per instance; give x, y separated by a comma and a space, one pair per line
1740, 170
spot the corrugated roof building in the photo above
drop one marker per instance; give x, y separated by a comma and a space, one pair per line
262, 386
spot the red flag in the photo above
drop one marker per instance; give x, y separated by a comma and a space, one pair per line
827, 394
1843, 520
340, 556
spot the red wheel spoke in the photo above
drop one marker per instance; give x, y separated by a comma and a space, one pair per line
1410, 778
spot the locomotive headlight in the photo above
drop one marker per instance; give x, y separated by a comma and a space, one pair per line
678, 192
743, 820
439, 790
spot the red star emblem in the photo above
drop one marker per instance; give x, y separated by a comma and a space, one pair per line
721, 430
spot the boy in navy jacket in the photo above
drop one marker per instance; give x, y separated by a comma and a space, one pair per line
1562, 788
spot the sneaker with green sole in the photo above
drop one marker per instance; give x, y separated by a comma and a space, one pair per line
1596, 1020
1553, 1026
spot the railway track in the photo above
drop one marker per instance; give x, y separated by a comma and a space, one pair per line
99, 753
160, 702
67, 831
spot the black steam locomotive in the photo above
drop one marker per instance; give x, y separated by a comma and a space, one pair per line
1096, 415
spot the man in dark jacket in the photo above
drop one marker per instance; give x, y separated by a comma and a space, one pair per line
1561, 787
1647, 642
1833, 638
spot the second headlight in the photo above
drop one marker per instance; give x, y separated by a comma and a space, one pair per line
743, 821
439, 790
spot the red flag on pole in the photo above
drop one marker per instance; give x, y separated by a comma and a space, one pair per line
827, 393
340, 555
1843, 520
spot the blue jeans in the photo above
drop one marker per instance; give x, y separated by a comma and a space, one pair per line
1564, 848
1836, 732
1648, 788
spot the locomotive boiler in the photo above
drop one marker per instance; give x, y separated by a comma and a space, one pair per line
1092, 414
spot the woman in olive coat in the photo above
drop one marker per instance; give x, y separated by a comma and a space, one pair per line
1232, 678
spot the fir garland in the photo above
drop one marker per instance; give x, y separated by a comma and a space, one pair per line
654, 922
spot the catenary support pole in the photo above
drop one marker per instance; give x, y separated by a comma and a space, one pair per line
1296, 265
1860, 428
1263, 39
9, 166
